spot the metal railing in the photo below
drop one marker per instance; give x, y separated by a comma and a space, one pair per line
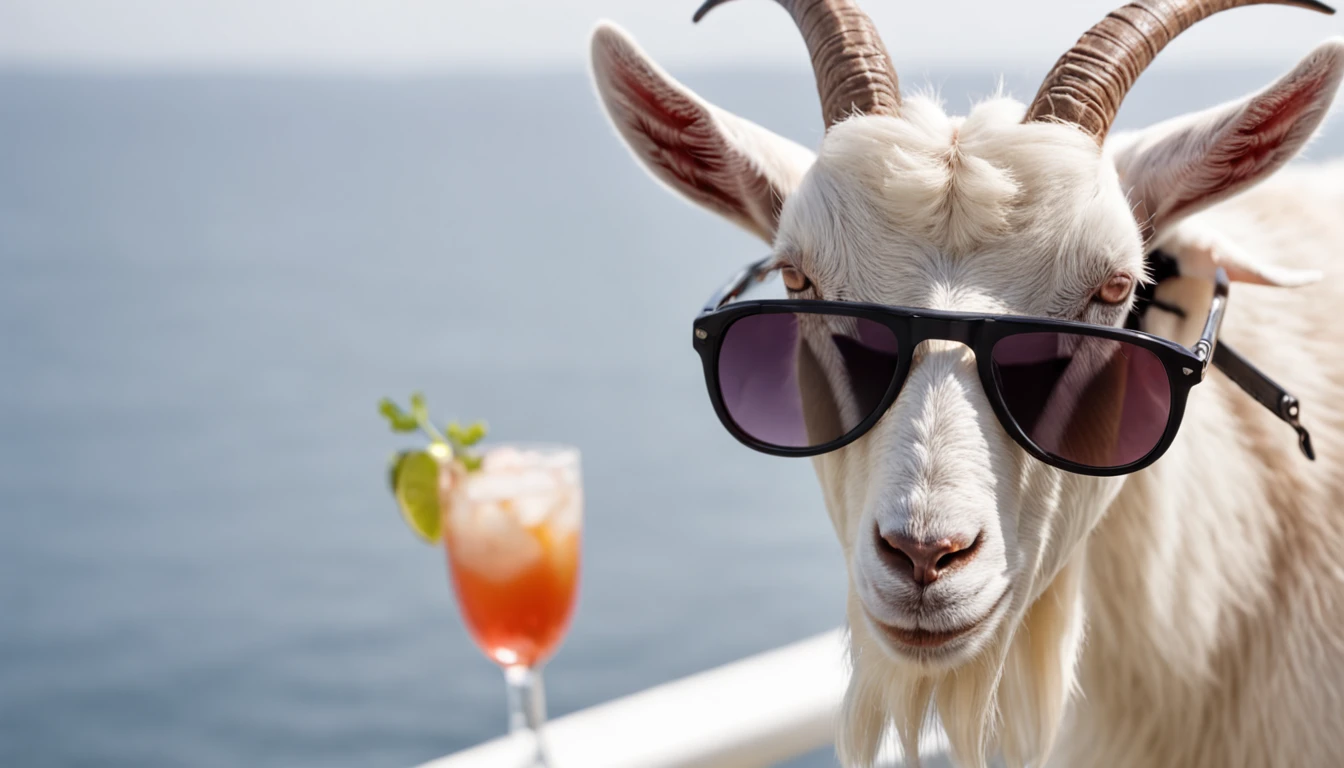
751, 713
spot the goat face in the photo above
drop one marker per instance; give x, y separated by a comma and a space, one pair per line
947, 524
958, 543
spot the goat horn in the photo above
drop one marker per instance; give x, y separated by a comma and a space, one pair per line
1088, 83
854, 72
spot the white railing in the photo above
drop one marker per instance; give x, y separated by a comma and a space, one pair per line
752, 713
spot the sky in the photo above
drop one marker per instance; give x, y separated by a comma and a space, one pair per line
398, 36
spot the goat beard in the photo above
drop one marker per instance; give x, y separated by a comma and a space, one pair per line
1009, 699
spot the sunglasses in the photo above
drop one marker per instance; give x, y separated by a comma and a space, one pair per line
805, 377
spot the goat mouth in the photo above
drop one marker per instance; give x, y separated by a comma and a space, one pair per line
923, 638
928, 639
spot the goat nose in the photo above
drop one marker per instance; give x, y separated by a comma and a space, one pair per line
925, 560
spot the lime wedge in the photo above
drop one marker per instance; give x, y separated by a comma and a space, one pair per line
415, 482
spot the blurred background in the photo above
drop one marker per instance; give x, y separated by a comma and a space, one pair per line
228, 227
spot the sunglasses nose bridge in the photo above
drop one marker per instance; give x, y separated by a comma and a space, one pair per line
943, 329
937, 334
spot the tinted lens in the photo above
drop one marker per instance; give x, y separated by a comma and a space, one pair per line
1097, 402
803, 380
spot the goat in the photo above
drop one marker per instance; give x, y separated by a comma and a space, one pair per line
1209, 586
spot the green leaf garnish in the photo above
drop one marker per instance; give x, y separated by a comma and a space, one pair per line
399, 420
418, 407
444, 448
468, 436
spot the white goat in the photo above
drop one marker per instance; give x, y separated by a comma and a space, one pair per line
1211, 584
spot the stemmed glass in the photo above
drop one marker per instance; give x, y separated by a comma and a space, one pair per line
511, 532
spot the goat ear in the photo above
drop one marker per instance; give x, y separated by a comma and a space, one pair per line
1181, 166
720, 161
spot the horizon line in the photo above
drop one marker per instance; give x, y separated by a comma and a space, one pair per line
21, 66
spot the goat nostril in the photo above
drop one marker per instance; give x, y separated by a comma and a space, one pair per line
954, 558
925, 560
892, 555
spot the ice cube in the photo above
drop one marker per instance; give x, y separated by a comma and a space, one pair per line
503, 457
566, 511
532, 509
487, 539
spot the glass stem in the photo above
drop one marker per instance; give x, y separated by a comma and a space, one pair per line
527, 710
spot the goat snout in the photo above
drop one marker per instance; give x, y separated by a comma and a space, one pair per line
923, 561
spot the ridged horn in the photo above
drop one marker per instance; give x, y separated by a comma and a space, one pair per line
854, 72
1088, 83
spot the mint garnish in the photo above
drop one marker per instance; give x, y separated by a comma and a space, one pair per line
457, 441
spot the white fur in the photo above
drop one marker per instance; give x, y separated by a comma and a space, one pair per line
1211, 584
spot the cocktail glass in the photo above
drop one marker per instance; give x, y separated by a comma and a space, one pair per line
512, 533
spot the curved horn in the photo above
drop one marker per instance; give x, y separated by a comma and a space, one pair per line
854, 72
1089, 82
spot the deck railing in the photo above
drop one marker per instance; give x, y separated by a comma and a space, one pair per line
751, 713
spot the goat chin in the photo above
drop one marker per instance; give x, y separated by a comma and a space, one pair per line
1009, 698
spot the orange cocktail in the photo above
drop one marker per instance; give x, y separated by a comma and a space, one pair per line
511, 532
510, 521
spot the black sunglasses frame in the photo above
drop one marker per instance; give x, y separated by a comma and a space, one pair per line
1184, 367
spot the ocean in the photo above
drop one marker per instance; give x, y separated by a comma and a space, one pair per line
207, 282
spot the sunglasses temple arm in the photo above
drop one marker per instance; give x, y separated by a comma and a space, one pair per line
737, 284
1265, 391
1208, 340
1245, 375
